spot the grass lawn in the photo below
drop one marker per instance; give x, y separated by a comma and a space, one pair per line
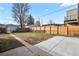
7, 42
33, 37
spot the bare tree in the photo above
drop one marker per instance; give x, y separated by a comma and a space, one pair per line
51, 22
38, 23
30, 20
20, 13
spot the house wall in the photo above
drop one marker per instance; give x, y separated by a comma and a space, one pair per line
11, 28
72, 14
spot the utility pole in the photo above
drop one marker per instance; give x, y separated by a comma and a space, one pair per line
50, 22
40, 21
78, 12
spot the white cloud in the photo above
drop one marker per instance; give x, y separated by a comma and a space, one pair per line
46, 9
67, 4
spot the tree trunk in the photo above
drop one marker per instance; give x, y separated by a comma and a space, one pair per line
21, 24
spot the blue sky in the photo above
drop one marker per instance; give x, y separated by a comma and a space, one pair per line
37, 10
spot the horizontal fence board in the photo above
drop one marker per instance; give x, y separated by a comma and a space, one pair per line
54, 30
73, 30
58, 30
62, 30
47, 29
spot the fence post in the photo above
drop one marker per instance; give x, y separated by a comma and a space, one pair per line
36, 29
32, 29
40, 28
67, 31
50, 29
44, 29
58, 30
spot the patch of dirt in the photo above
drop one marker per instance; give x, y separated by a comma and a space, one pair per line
32, 40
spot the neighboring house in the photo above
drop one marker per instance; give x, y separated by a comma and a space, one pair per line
2, 28
72, 16
11, 28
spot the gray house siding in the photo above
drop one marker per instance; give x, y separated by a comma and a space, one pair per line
11, 28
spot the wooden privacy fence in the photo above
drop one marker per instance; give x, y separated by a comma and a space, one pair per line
58, 30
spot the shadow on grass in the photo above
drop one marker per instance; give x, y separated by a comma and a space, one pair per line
9, 43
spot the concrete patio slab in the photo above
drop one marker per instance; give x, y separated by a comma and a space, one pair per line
69, 46
50, 43
60, 45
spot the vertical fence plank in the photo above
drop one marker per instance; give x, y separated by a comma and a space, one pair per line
44, 29
57, 30
50, 29
67, 31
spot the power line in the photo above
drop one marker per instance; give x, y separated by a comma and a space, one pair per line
57, 11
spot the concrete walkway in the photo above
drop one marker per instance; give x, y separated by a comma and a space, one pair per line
26, 50
21, 51
61, 46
